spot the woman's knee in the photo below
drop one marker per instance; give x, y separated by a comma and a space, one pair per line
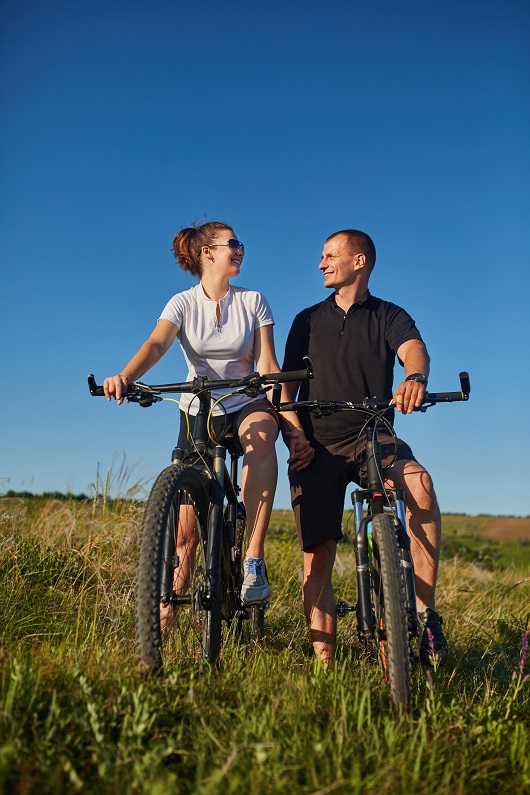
258, 434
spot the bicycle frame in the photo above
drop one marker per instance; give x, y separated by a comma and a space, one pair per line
223, 483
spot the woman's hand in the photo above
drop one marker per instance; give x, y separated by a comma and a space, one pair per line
116, 387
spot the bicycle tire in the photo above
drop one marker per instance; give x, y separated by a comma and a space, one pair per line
256, 621
389, 596
168, 633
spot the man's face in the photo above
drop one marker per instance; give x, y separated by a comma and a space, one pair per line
339, 266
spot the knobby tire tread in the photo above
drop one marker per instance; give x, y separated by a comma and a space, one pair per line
390, 611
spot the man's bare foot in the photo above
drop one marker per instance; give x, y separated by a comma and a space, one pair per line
167, 617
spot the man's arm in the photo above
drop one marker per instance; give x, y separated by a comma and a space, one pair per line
300, 451
409, 394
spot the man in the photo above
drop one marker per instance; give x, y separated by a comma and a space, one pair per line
353, 339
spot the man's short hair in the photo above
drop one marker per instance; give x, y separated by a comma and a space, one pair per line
359, 243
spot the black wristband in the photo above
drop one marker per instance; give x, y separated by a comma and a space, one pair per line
419, 377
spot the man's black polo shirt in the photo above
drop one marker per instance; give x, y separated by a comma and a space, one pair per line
353, 355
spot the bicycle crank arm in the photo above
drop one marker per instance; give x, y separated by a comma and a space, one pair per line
179, 599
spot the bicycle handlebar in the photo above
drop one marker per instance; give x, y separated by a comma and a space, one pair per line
373, 404
431, 398
146, 395
250, 384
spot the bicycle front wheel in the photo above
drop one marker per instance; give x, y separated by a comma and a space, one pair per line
390, 602
177, 620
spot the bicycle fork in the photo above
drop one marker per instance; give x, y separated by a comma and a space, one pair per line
363, 548
215, 527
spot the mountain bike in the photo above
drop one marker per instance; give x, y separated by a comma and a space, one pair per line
190, 568
386, 599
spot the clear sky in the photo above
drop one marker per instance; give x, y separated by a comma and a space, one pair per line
125, 120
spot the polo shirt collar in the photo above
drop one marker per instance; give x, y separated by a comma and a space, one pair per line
331, 299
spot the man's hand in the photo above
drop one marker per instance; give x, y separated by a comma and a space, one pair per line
116, 387
408, 396
301, 452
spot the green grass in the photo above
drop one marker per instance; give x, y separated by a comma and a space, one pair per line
76, 717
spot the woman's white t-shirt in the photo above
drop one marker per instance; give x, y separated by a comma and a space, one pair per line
213, 349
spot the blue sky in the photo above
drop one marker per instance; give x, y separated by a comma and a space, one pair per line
125, 121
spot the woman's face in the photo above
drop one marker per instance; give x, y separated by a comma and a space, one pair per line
227, 252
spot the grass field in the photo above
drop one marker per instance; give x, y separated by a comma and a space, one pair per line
76, 717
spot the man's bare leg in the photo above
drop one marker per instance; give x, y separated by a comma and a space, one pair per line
424, 526
319, 600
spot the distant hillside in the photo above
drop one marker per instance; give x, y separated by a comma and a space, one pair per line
491, 526
499, 527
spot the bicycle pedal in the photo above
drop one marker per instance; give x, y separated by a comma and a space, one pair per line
260, 605
343, 608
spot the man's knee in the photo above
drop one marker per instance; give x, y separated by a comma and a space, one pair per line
413, 478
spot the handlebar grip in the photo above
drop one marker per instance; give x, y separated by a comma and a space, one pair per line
292, 375
95, 390
464, 384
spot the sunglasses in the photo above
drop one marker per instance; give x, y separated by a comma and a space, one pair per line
232, 243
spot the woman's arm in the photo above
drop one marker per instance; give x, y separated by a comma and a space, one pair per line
264, 353
149, 354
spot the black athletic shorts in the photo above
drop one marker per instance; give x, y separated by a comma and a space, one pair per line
318, 492
223, 424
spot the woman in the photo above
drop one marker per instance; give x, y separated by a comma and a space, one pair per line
223, 332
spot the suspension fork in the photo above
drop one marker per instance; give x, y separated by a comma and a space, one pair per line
365, 616
170, 560
215, 524
232, 491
